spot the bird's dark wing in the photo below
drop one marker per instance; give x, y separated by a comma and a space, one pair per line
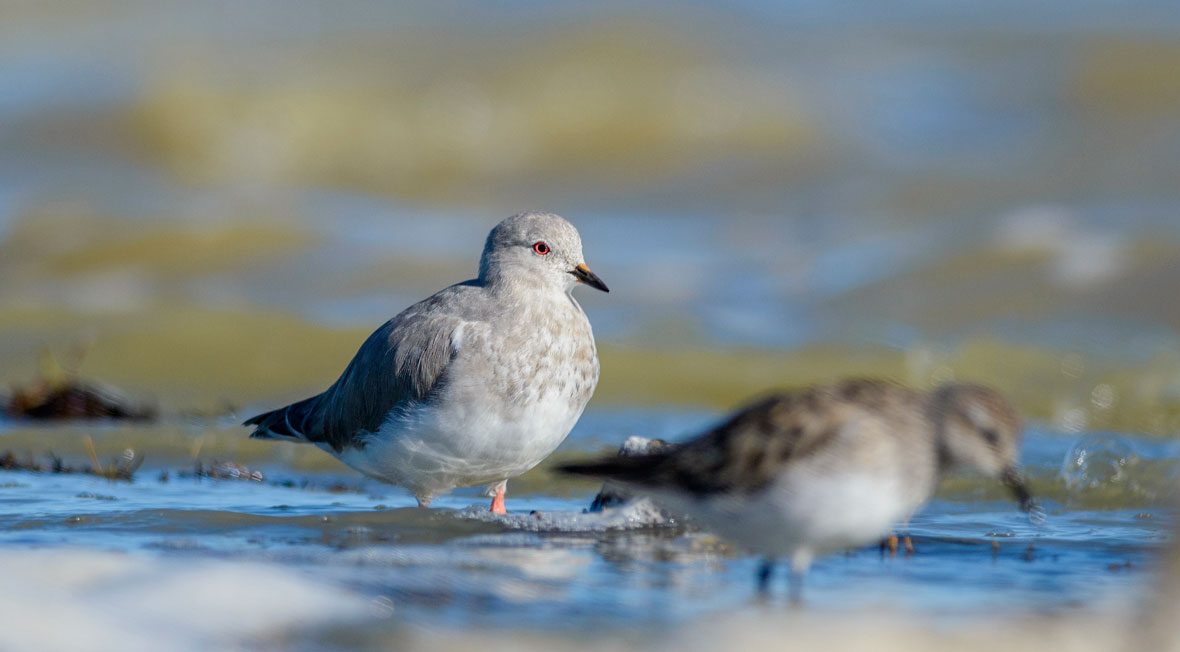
401, 363
746, 451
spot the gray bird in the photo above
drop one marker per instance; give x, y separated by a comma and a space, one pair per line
471, 386
826, 468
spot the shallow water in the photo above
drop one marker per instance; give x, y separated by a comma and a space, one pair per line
559, 570
212, 205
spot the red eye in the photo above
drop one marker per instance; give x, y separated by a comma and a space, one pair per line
541, 247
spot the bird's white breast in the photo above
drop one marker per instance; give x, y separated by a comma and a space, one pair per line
842, 497
507, 403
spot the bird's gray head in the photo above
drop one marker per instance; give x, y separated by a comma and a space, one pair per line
540, 250
977, 428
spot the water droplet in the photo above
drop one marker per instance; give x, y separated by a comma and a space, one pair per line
382, 606
1103, 397
1072, 419
1037, 515
1096, 461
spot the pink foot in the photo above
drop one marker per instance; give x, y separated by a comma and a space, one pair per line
498, 501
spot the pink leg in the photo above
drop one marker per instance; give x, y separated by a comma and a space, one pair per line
498, 500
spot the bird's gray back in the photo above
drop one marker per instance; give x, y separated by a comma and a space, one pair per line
401, 363
516, 346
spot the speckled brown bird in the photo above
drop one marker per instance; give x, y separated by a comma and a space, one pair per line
805, 472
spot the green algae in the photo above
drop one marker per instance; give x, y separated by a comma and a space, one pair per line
199, 359
603, 103
71, 242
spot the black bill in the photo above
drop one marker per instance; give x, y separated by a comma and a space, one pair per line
584, 275
1018, 485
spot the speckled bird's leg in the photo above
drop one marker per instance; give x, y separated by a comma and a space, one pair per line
800, 564
765, 571
906, 542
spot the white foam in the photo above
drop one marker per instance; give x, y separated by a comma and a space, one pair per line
80, 600
635, 515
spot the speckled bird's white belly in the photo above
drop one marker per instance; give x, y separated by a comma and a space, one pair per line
819, 513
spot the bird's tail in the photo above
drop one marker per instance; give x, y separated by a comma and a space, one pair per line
288, 423
633, 470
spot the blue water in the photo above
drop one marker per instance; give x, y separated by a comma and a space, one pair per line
933, 134
451, 566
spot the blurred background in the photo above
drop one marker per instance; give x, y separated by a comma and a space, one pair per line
219, 200
210, 204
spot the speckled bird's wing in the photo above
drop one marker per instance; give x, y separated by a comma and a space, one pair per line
750, 449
